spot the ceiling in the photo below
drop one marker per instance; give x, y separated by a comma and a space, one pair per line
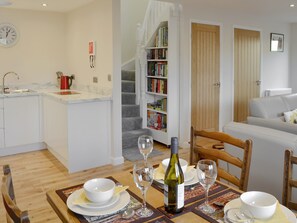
276, 10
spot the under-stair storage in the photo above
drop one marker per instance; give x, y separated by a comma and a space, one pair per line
161, 83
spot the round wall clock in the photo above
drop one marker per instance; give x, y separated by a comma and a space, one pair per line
8, 35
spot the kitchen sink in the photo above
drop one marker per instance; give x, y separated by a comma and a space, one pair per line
18, 91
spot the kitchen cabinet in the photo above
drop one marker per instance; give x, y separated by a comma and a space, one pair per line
77, 133
22, 120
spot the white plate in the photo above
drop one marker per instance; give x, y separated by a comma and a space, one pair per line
112, 201
237, 203
122, 202
190, 178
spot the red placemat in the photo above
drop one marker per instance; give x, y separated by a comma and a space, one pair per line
218, 202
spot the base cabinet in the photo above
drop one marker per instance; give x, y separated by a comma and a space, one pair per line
22, 121
78, 134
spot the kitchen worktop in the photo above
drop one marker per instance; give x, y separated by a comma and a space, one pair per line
74, 96
64, 96
19, 94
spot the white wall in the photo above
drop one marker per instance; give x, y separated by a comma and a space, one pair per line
132, 13
91, 22
293, 58
275, 66
40, 51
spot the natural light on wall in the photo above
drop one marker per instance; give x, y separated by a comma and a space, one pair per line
274, 45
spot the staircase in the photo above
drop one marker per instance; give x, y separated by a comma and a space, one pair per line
131, 120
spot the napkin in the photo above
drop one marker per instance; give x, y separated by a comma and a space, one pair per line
278, 217
159, 173
82, 199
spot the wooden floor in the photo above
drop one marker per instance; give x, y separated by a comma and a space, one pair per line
35, 173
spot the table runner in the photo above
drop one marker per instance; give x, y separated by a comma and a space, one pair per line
193, 192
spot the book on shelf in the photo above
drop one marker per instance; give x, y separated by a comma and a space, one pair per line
157, 54
158, 69
161, 39
159, 105
156, 121
157, 86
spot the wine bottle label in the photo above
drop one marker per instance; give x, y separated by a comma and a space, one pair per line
180, 191
166, 194
179, 195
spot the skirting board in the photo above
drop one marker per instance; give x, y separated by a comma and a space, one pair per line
117, 160
22, 149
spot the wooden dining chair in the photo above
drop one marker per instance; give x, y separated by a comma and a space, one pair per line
288, 182
198, 152
13, 213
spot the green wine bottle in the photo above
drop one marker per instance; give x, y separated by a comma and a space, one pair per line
174, 188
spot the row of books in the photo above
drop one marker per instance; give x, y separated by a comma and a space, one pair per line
156, 121
159, 69
157, 86
160, 105
157, 54
162, 37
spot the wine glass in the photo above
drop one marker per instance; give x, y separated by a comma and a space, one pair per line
143, 178
145, 145
207, 174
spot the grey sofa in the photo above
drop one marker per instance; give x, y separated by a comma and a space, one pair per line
269, 145
269, 112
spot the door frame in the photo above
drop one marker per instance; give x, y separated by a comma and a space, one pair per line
233, 59
220, 25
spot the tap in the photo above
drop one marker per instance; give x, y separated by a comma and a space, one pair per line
3, 80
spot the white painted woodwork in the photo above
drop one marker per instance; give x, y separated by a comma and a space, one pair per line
172, 86
78, 134
22, 119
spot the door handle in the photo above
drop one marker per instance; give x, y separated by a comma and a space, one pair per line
218, 84
258, 82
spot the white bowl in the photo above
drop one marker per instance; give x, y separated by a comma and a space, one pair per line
262, 205
183, 164
99, 190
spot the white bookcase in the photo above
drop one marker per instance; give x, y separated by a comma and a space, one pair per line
160, 113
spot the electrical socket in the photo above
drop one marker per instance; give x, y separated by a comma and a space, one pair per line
95, 79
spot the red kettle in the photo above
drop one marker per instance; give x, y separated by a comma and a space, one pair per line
65, 82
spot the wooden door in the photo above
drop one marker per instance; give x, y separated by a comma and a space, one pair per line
205, 76
246, 71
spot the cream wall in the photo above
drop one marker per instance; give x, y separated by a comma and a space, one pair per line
39, 52
91, 22
293, 58
274, 66
132, 13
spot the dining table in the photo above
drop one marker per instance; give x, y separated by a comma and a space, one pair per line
219, 195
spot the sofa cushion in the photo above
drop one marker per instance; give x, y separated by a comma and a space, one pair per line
291, 116
277, 124
290, 101
268, 107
